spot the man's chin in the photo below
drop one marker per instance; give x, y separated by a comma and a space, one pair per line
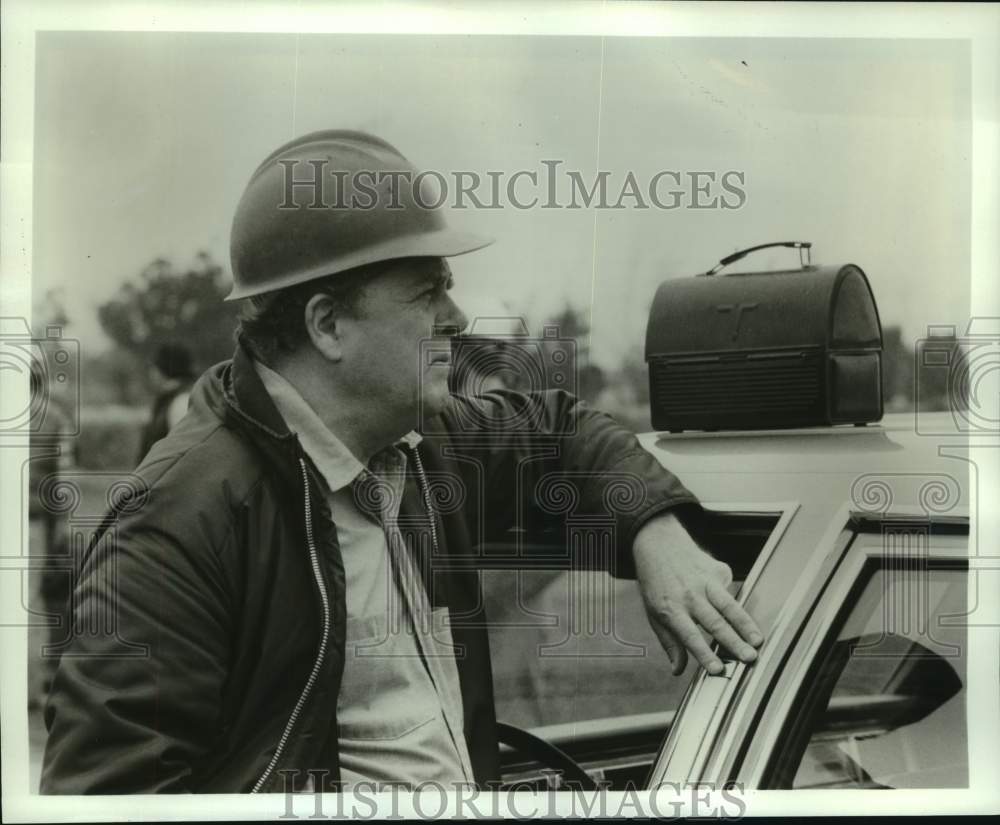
434, 399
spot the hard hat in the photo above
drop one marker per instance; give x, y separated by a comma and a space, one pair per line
331, 201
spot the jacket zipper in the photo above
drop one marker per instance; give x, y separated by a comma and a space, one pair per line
428, 504
325, 600
323, 643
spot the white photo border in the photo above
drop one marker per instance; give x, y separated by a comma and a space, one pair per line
22, 19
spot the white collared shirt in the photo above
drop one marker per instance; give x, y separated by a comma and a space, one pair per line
400, 705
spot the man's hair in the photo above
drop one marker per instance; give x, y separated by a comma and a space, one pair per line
272, 325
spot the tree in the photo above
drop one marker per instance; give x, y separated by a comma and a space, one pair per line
897, 371
49, 311
573, 324
635, 375
114, 376
168, 305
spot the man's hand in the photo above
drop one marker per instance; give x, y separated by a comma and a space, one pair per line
684, 588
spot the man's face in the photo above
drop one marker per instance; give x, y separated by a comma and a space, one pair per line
399, 309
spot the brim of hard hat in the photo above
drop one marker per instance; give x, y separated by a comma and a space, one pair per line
444, 243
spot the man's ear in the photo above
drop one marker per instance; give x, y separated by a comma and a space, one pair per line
322, 320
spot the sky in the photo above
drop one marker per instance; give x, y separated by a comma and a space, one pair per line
144, 142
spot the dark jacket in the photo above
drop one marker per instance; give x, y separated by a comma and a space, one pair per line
219, 589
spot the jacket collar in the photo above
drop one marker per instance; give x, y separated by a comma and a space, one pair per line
249, 409
330, 455
248, 399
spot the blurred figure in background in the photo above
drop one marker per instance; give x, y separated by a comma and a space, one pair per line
172, 374
51, 451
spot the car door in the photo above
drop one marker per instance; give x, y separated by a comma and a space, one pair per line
866, 688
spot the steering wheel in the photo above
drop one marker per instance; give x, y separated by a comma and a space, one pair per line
546, 754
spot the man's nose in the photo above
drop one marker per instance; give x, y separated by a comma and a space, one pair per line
452, 321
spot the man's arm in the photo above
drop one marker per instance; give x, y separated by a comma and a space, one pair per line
532, 446
126, 720
549, 435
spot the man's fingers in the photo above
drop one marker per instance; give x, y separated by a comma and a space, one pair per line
723, 601
690, 636
675, 650
725, 573
720, 630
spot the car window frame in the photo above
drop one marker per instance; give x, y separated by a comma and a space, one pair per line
746, 765
712, 737
679, 753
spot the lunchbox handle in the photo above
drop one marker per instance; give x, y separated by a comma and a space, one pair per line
803, 247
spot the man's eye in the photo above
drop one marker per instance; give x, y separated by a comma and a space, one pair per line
440, 287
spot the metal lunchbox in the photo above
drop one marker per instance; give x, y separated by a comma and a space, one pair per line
764, 350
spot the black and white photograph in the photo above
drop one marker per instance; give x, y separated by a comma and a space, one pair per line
431, 410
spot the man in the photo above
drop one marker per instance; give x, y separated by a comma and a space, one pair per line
297, 601
172, 375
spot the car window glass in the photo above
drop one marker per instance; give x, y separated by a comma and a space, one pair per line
576, 646
885, 707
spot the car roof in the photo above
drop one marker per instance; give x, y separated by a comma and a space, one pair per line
918, 459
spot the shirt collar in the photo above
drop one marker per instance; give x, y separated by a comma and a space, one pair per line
336, 463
